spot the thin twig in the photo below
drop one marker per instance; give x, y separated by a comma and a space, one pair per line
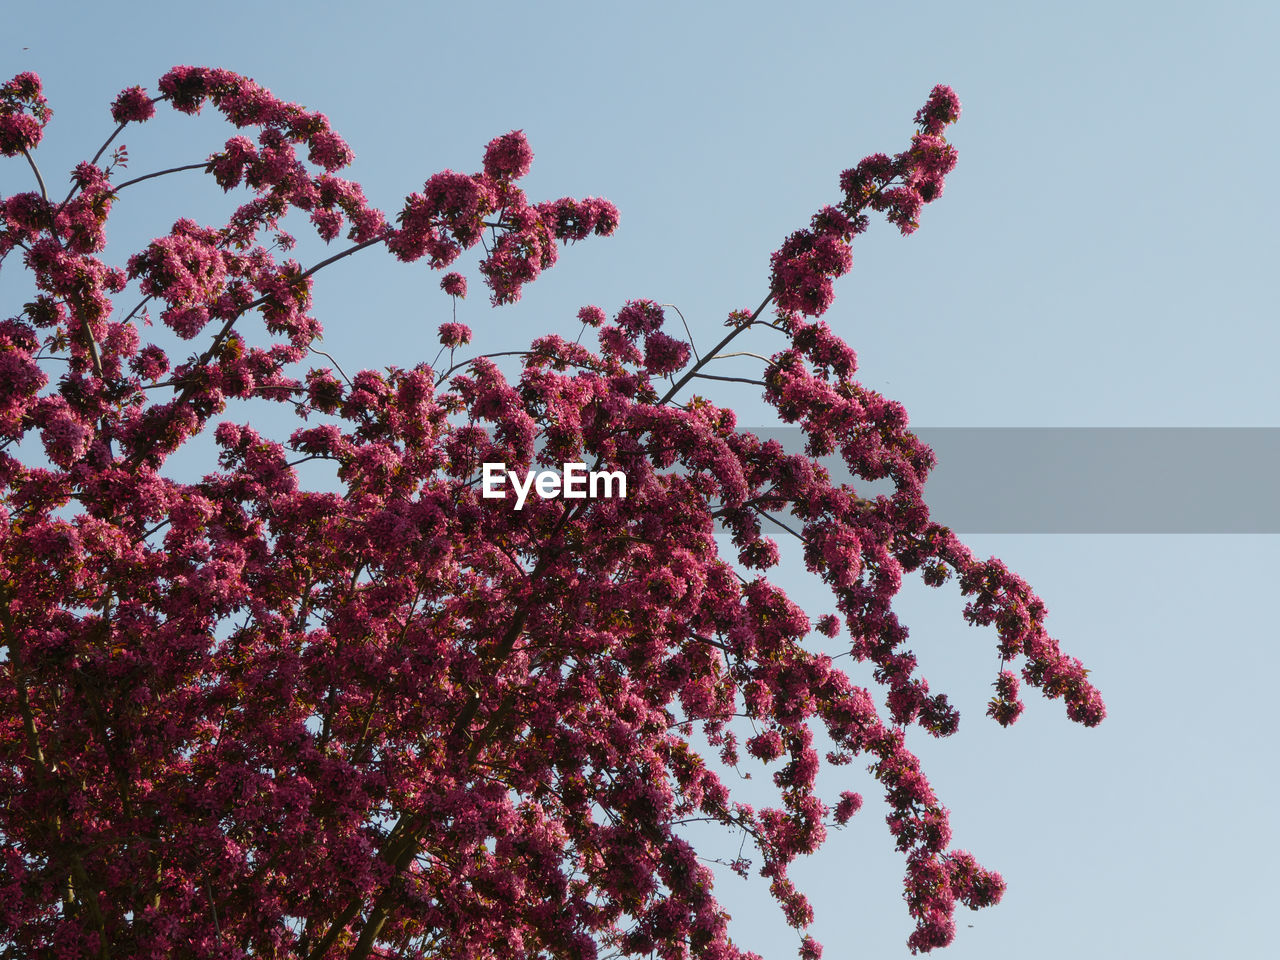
160, 173
692, 345
345, 253
94, 162
114, 133
770, 517
143, 303
708, 376
485, 356
334, 362
742, 353
697, 367
217, 929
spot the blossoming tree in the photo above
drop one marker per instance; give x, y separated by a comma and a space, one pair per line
401, 718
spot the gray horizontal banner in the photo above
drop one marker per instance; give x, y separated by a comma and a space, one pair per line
1092, 479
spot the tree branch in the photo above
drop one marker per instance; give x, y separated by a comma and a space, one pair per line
697, 367
160, 173
39, 179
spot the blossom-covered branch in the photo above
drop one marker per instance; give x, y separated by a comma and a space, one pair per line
400, 717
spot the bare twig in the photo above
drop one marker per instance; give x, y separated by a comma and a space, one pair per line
708, 376
160, 173
686, 328
36, 170
697, 367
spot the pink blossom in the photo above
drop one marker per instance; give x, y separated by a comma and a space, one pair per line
132, 106
454, 284
664, 354
328, 150
902, 206
850, 803
151, 362
508, 157
591, 316
66, 439
766, 746
454, 334
942, 108
640, 317
18, 132
185, 88
23, 114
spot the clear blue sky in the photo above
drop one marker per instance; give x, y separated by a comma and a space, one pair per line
1104, 255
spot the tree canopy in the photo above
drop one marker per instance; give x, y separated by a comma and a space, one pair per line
401, 717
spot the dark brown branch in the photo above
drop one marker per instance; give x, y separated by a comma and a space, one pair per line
697, 367
754, 383
160, 173
36, 170
101, 150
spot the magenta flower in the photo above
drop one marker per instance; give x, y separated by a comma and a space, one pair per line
132, 106
508, 157
454, 284
591, 316
454, 334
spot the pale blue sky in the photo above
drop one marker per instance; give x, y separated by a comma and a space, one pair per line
1103, 256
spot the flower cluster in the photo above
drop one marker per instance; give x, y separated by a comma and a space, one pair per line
133, 106
508, 157
393, 716
453, 210
1005, 707
454, 284
454, 334
805, 266
24, 113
